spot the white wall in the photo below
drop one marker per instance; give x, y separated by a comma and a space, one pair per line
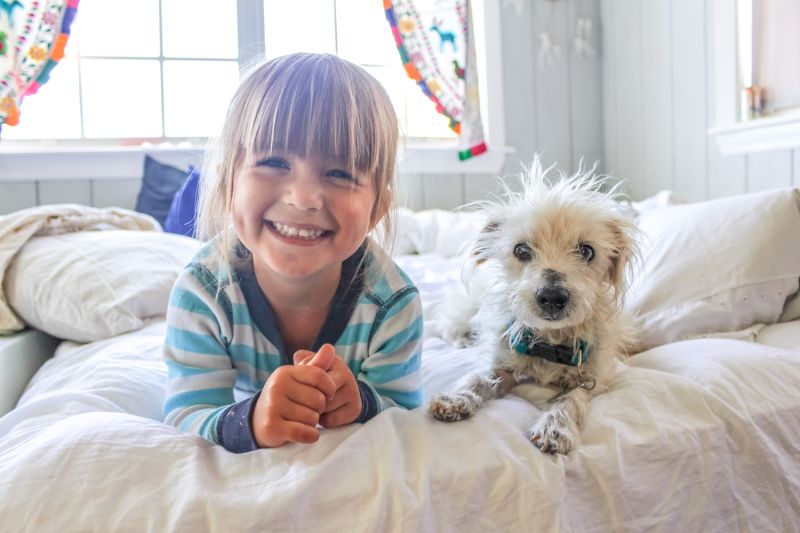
555, 110
667, 81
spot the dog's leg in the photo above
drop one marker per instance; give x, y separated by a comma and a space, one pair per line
462, 403
557, 429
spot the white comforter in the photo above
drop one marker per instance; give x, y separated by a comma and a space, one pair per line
701, 435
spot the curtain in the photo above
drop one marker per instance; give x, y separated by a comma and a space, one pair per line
436, 45
33, 35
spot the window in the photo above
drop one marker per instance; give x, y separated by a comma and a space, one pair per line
164, 70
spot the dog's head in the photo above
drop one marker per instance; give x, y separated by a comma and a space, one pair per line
561, 247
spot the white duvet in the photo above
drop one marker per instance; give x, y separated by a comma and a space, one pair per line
701, 435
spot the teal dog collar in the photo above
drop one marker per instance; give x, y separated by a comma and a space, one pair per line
555, 353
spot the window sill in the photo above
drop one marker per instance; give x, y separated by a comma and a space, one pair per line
36, 162
778, 132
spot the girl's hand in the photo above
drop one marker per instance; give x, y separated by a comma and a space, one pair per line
345, 406
291, 404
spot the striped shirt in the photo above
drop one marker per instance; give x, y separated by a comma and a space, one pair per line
223, 336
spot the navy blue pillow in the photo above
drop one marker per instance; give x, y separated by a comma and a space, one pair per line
181, 217
160, 182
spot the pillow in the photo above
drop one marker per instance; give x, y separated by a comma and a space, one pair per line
160, 182
92, 285
716, 266
181, 216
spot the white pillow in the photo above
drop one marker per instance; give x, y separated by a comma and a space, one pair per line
716, 266
92, 285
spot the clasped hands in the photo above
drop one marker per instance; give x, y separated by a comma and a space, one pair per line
318, 389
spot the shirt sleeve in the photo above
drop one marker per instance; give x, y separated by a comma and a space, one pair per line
391, 375
199, 393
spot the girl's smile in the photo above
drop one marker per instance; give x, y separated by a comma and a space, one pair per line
302, 233
301, 216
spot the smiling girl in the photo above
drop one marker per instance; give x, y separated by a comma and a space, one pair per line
291, 317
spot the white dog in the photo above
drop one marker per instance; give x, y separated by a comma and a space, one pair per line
544, 296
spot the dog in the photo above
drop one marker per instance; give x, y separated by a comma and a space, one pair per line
543, 293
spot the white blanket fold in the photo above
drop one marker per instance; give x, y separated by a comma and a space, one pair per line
17, 228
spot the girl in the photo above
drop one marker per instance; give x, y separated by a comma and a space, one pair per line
289, 304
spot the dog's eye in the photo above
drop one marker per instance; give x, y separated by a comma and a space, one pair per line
523, 252
586, 251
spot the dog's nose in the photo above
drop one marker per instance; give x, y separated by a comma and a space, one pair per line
552, 299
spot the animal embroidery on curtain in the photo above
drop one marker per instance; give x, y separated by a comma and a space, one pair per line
33, 35
436, 45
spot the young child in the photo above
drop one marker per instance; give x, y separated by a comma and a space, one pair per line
291, 317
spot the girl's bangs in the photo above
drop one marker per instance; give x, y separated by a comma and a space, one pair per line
318, 114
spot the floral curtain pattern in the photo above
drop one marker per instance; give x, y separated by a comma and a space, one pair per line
434, 38
33, 36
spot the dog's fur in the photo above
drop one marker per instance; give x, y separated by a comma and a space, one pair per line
504, 295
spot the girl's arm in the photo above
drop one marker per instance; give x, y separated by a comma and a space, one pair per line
391, 374
201, 376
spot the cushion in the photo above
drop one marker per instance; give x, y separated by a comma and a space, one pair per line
92, 285
160, 182
181, 216
716, 266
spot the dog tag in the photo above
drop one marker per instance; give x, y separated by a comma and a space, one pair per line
587, 381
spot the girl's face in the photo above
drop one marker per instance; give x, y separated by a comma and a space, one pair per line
301, 216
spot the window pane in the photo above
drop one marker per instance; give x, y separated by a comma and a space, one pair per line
364, 35
54, 112
196, 96
200, 28
124, 28
394, 83
121, 98
298, 26
423, 120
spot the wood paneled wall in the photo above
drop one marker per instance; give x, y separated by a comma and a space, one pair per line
659, 102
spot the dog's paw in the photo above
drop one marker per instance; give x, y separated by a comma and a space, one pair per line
452, 407
551, 436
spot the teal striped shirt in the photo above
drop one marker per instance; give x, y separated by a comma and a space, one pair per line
223, 336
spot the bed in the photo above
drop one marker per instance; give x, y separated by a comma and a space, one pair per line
700, 430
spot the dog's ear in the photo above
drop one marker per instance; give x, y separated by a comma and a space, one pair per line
625, 248
482, 243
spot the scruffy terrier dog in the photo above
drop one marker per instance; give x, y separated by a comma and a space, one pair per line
543, 294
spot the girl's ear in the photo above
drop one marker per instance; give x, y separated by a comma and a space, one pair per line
381, 207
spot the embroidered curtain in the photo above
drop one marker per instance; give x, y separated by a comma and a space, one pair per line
436, 45
33, 35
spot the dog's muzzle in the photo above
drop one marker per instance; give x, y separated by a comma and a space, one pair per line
552, 300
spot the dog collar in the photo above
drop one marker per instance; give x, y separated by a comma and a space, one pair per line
555, 353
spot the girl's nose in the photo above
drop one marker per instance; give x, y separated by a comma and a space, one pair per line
304, 193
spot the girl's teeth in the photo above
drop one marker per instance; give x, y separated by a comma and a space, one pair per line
290, 231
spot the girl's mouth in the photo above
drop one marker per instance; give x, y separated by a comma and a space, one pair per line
293, 232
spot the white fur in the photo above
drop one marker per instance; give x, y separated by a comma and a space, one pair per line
499, 297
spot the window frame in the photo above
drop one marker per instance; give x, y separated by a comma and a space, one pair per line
69, 158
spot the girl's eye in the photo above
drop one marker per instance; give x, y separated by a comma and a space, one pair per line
272, 162
586, 251
341, 175
523, 252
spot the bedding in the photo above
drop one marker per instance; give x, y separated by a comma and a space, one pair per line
91, 285
694, 435
19, 227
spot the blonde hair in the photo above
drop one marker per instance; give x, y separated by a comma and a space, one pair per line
303, 104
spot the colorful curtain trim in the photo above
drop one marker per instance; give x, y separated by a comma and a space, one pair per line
32, 42
433, 39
